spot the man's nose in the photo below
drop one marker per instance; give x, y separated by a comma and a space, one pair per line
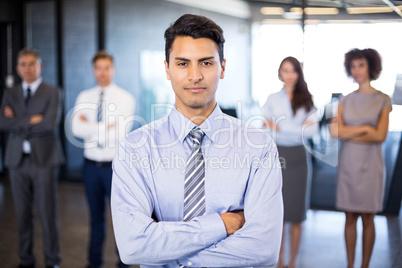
194, 73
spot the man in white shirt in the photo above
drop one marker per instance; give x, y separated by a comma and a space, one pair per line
102, 116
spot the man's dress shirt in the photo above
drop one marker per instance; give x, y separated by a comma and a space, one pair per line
101, 141
26, 146
242, 172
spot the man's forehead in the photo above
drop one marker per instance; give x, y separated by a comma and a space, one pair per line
103, 61
188, 41
27, 57
191, 48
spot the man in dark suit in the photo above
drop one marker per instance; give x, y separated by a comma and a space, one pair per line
30, 114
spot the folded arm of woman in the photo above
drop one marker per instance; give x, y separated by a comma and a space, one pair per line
339, 130
379, 133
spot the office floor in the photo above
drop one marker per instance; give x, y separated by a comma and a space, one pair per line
322, 243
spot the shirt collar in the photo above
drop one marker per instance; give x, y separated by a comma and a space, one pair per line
106, 89
182, 125
33, 86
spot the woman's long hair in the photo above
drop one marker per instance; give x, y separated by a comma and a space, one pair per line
301, 96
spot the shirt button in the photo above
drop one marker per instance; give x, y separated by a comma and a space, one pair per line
189, 263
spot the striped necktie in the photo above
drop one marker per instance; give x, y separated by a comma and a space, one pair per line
100, 107
194, 183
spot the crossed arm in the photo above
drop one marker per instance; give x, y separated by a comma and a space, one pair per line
34, 119
307, 129
241, 239
83, 126
362, 133
233, 221
36, 123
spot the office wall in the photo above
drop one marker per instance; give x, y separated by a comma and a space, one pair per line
134, 36
41, 35
79, 46
79, 43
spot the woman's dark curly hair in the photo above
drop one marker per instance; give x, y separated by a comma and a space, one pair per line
373, 59
301, 95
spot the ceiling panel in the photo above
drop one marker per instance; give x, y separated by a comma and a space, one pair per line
342, 5
333, 3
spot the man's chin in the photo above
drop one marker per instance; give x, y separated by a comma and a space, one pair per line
196, 105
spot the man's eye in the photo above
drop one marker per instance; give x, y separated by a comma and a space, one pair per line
182, 64
206, 63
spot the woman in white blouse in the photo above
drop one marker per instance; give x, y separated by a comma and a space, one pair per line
287, 115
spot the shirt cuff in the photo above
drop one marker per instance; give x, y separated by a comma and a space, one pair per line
213, 230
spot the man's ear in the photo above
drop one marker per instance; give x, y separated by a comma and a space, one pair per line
223, 66
167, 70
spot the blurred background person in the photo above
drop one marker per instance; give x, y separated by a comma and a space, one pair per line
30, 114
362, 126
102, 116
287, 115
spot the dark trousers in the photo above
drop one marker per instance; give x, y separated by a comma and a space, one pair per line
98, 183
31, 185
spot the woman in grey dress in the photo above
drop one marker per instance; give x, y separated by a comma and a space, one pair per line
362, 126
287, 115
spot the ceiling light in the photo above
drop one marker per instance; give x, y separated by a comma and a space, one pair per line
280, 21
296, 10
321, 11
316, 10
368, 10
272, 10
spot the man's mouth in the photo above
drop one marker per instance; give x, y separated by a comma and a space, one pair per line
196, 89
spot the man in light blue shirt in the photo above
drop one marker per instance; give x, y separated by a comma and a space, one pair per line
241, 224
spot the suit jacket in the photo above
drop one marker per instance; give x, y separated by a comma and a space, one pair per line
43, 137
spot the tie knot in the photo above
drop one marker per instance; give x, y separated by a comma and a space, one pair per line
197, 134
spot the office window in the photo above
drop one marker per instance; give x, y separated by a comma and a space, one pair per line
322, 49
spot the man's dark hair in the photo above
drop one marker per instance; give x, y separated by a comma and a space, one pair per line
373, 59
30, 51
102, 55
196, 27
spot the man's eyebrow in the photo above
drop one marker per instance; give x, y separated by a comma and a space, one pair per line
182, 59
202, 59
206, 58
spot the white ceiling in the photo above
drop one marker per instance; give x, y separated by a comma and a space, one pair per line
249, 9
340, 4
332, 3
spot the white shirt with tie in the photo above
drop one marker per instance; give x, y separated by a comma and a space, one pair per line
102, 138
26, 146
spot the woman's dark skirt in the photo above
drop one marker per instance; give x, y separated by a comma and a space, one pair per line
295, 187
